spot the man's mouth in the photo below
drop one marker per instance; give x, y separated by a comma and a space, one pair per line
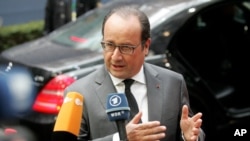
117, 66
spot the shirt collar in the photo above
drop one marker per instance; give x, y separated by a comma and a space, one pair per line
139, 77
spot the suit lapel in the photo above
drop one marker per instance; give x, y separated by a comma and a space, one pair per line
104, 86
155, 94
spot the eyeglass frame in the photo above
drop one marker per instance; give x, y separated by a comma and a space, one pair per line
132, 47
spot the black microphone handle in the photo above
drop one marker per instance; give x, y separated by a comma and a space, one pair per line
63, 136
122, 130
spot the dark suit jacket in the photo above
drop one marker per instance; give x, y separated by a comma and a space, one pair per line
166, 91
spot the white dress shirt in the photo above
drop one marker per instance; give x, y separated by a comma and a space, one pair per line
139, 90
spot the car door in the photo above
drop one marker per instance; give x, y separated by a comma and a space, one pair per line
210, 50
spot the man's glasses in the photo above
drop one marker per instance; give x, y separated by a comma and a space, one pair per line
124, 49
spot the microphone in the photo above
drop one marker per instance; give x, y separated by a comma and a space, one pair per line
68, 122
118, 111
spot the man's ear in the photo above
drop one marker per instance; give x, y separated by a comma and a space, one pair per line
146, 46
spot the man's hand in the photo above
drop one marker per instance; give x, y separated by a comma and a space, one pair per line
190, 126
149, 131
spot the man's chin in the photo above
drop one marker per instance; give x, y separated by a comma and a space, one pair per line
118, 74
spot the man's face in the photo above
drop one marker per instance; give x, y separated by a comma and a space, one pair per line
124, 31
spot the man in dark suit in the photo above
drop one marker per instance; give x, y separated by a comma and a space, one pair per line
161, 94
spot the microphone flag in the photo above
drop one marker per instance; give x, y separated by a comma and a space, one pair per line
117, 107
70, 115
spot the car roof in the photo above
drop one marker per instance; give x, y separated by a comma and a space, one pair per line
80, 39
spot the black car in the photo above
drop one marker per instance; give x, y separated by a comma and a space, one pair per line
205, 40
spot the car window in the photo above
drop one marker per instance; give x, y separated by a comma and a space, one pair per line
215, 44
84, 33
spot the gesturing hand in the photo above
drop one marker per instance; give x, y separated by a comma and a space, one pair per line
190, 126
149, 131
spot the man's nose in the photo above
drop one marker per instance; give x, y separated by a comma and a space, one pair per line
117, 53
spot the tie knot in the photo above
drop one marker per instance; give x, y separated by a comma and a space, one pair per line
128, 82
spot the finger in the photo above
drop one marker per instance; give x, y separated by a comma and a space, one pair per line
158, 129
153, 131
149, 125
152, 127
196, 133
154, 137
137, 118
197, 116
198, 123
184, 114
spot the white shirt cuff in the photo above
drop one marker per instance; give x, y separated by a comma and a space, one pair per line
116, 137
